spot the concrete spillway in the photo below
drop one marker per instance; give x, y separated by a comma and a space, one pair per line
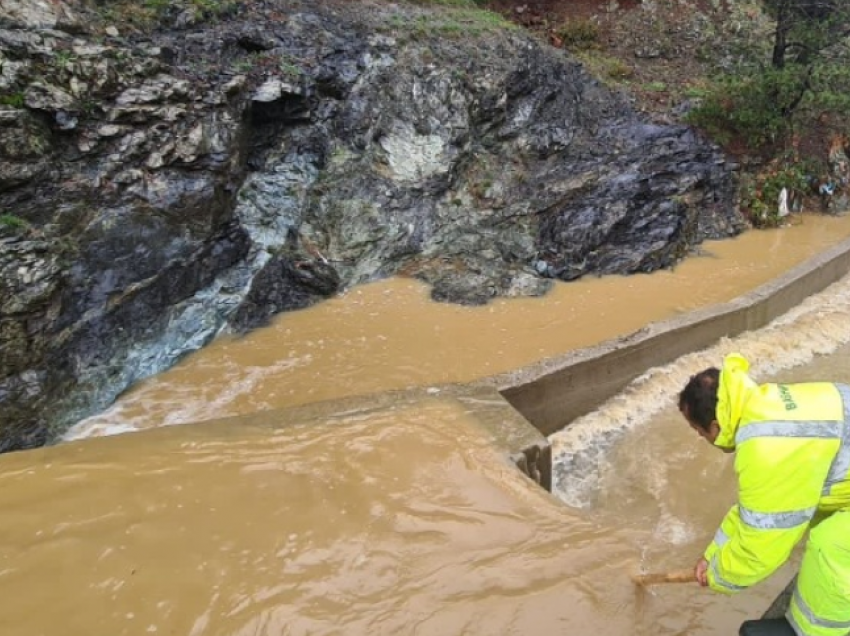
552, 393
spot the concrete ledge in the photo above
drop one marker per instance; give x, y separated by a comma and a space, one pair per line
508, 431
554, 392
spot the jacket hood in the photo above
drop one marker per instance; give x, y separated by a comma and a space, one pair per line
733, 391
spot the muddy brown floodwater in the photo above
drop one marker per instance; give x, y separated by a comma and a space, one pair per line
403, 519
400, 522
389, 335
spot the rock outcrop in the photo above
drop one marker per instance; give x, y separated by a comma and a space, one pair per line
158, 188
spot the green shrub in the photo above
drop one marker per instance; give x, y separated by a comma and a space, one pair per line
12, 99
753, 108
830, 92
13, 223
760, 197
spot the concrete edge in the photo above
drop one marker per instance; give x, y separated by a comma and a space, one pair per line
509, 432
526, 447
553, 392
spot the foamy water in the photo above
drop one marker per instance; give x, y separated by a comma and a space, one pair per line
818, 326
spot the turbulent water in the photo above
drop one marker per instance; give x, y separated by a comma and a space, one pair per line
818, 326
398, 521
401, 519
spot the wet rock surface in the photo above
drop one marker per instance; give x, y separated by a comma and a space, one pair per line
158, 188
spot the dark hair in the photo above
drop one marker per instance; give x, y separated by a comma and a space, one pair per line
699, 397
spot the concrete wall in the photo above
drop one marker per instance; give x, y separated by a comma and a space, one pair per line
554, 392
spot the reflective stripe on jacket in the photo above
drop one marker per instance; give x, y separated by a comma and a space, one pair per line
792, 444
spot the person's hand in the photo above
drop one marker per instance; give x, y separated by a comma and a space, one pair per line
701, 572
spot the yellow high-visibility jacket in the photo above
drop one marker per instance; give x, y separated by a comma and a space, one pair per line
792, 446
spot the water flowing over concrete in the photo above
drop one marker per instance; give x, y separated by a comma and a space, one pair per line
372, 512
556, 391
382, 518
816, 327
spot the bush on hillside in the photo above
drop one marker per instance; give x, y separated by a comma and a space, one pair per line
760, 196
754, 108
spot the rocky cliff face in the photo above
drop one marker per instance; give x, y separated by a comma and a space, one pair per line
159, 188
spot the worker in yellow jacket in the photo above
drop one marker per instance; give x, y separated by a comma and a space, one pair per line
792, 458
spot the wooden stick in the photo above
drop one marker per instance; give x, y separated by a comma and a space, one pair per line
676, 576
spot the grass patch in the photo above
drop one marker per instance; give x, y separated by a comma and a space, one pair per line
461, 4
290, 67
453, 18
148, 14
697, 90
63, 58
12, 222
16, 100
608, 69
